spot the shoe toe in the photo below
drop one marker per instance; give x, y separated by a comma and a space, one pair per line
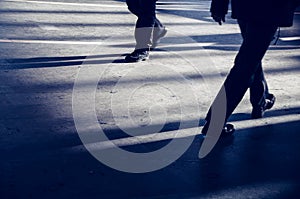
227, 130
137, 56
258, 112
270, 101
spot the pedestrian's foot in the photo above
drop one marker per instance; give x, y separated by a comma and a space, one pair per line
157, 35
258, 111
270, 101
137, 55
227, 130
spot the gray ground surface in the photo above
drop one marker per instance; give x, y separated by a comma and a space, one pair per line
46, 46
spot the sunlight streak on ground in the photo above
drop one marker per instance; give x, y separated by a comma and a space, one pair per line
289, 38
182, 133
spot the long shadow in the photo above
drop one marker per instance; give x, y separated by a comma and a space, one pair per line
20, 11
49, 59
43, 62
66, 25
83, 38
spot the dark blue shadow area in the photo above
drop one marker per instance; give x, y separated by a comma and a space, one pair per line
259, 162
257, 157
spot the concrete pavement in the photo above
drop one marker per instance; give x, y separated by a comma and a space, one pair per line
47, 47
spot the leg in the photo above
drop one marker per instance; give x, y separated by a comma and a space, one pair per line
145, 23
159, 32
158, 28
260, 97
258, 88
145, 11
133, 6
256, 40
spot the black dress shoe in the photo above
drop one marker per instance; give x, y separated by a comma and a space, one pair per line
227, 130
270, 101
137, 56
258, 111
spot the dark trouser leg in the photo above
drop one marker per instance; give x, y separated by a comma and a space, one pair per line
256, 40
259, 88
133, 6
145, 11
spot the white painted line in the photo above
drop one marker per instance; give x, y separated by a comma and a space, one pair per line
289, 38
50, 42
69, 4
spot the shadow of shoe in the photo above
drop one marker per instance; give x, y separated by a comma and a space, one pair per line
118, 61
